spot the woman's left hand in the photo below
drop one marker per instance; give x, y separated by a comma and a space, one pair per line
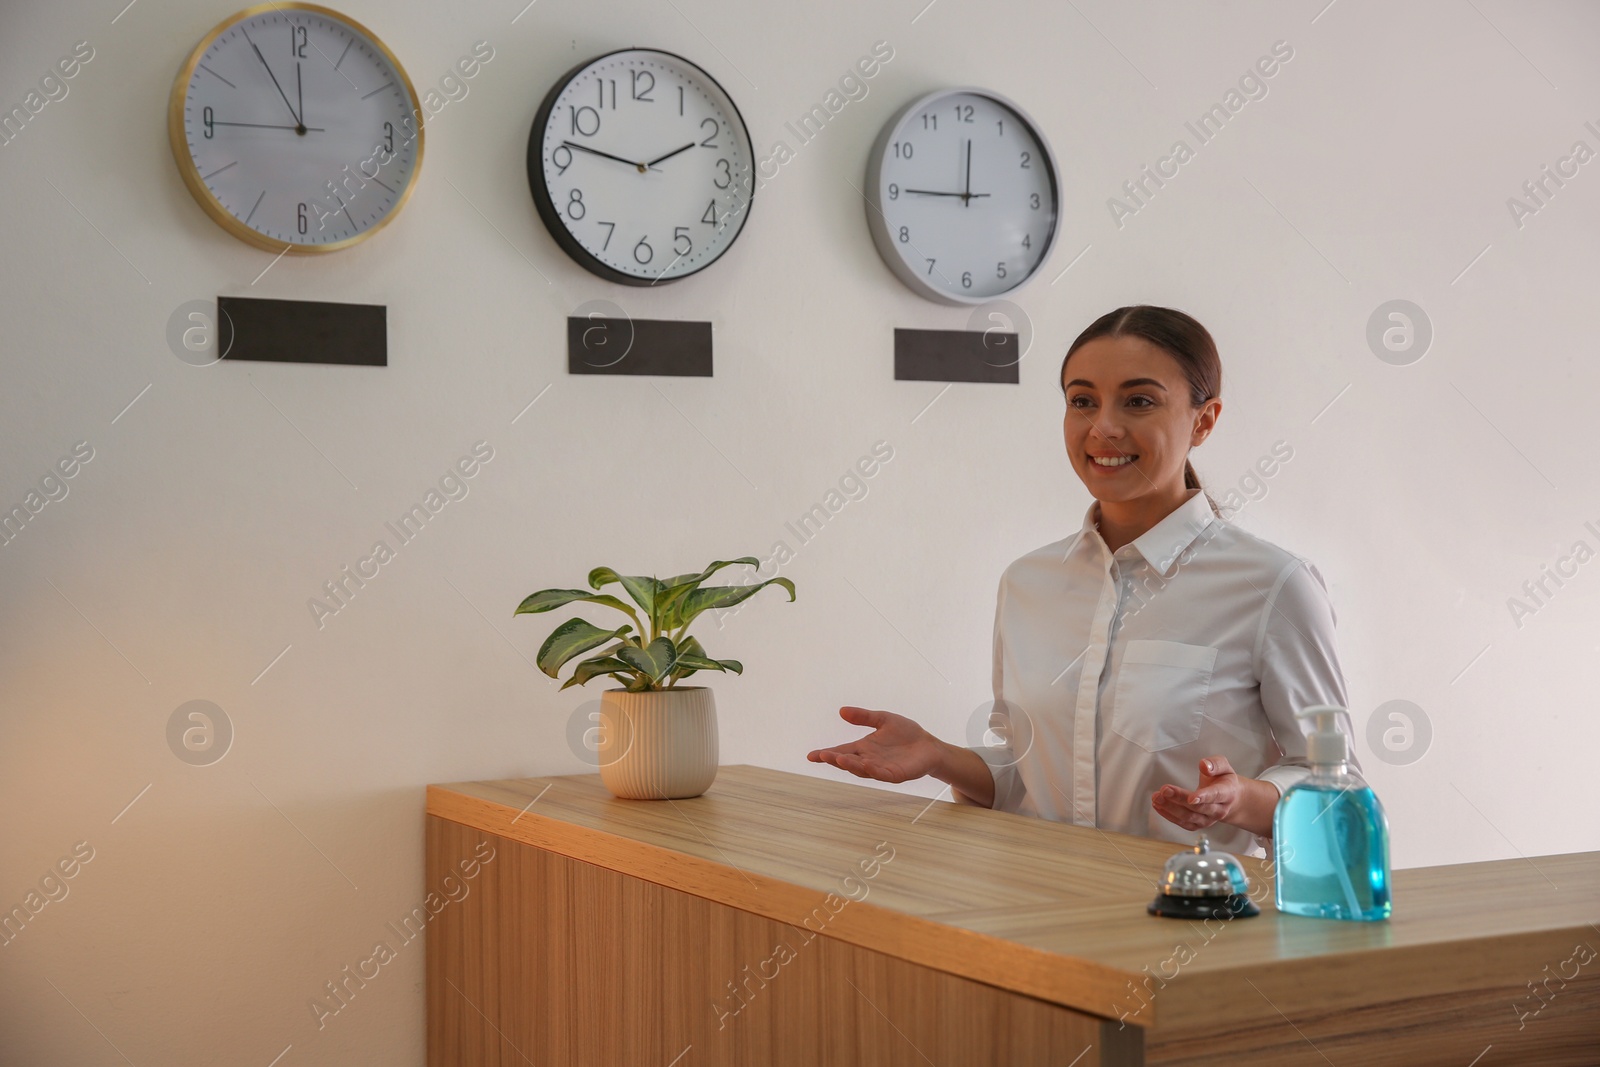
1211, 802
1221, 796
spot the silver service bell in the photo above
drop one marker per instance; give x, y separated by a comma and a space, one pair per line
1201, 884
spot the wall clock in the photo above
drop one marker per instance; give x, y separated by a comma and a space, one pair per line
963, 197
641, 166
294, 127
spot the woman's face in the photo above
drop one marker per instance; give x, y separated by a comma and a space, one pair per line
1129, 424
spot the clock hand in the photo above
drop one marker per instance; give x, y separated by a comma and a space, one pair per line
274, 78
967, 195
300, 95
595, 151
269, 126
964, 196
670, 154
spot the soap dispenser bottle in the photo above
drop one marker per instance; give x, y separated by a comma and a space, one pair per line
1330, 839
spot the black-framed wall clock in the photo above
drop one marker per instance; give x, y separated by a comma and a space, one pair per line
963, 196
641, 166
295, 128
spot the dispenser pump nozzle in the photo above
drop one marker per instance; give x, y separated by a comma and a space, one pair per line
1326, 745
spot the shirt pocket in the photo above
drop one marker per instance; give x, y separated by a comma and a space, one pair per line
1160, 694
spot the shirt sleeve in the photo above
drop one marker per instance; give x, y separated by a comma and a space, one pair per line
1001, 758
1297, 666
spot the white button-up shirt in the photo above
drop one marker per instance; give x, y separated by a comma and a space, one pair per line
1115, 673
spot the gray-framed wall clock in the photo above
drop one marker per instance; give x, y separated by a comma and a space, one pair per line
963, 196
641, 166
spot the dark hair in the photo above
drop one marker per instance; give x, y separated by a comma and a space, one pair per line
1182, 338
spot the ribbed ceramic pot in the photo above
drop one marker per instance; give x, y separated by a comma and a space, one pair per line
659, 745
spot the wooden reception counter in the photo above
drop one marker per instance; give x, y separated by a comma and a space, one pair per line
789, 919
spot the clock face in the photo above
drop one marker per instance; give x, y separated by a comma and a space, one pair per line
963, 196
295, 127
641, 167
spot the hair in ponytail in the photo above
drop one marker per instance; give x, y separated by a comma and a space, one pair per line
1181, 337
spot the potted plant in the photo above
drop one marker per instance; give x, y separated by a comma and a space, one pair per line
658, 739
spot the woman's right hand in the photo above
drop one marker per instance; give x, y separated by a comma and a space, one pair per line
897, 749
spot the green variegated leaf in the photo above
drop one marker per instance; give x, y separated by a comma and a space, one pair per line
601, 576
723, 596
654, 661
550, 599
732, 665
698, 663
689, 646
643, 590
680, 586
571, 638
684, 579
595, 666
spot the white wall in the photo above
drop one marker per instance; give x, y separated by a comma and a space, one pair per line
1377, 167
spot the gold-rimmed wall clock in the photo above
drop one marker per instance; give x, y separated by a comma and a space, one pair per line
295, 128
641, 166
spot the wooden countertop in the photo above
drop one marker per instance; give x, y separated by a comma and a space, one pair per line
1048, 909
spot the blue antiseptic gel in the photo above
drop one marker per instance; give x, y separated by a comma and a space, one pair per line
1330, 837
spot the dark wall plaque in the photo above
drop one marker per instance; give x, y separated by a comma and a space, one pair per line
598, 345
302, 331
955, 356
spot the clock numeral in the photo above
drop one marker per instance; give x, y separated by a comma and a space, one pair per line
1000, 126
930, 266
210, 130
726, 173
639, 77
710, 217
1027, 241
930, 122
1000, 269
602, 87
560, 164
609, 232
963, 112
905, 235
710, 141
585, 120
966, 279
894, 191
680, 99
902, 150
388, 137
649, 253
681, 233
575, 208
1027, 159
1033, 201
300, 218
297, 46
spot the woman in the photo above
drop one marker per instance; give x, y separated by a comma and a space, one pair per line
1147, 668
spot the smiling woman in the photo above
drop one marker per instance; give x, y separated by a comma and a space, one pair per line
1133, 461
1156, 718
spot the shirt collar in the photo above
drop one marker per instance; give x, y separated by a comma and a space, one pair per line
1164, 542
